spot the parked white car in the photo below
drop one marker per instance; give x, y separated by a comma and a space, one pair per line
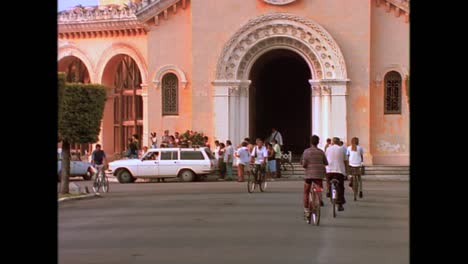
77, 166
184, 163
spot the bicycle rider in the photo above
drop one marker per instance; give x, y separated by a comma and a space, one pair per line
98, 159
259, 156
313, 161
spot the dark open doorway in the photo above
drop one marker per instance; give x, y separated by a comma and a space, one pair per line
280, 97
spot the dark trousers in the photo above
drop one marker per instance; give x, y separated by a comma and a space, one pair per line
340, 187
278, 168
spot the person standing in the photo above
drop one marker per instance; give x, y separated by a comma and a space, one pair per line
327, 145
154, 140
356, 159
278, 154
228, 159
244, 157
313, 161
275, 134
336, 169
271, 164
221, 164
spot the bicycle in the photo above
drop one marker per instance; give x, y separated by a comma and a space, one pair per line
256, 177
286, 164
100, 180
314, 204
334, 195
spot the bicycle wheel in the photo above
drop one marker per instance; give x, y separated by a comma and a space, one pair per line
311, 208
97, 184
355, 187
105, 183
333, 196
262, 182
287, 166
316, 211
251, 182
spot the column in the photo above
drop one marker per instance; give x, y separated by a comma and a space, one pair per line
326, 112
234, 113
243, 111
144, 95
339, 110
221, 109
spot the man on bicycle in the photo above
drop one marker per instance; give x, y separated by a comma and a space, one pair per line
98, 159
336, 169
314, 162
259, 156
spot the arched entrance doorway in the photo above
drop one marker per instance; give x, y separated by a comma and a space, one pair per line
123, 113
279, 96
239, 71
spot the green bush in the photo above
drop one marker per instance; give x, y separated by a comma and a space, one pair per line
81, 112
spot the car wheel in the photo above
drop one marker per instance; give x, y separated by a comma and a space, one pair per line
124, 176
88, 176
187, 175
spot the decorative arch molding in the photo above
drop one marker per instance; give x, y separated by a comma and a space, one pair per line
69, 50
170, 68
122, 48
281, 29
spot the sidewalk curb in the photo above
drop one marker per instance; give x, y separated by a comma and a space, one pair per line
80, 197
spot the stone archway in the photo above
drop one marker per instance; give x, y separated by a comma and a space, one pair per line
280, 31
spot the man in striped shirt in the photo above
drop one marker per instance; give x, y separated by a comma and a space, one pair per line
314, 162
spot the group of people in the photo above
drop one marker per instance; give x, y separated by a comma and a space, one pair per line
266, 155
134, 150
336, 162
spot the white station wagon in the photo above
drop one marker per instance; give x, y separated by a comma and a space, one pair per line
184, 163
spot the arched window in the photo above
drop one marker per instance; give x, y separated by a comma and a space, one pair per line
77, 72
170, 97
392, 93
128, 103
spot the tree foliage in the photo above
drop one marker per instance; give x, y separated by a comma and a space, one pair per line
81, 112
81, 108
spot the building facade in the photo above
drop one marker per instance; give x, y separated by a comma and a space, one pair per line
233, 69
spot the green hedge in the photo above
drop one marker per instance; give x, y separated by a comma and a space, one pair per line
81, 111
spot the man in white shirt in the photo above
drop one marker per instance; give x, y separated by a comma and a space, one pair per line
228, 159
275, 134
259, 154
336, 169
244, 158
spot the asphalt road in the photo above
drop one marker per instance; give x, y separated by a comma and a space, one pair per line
219, 222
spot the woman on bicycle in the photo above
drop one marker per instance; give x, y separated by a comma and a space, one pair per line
355, 158
314, 162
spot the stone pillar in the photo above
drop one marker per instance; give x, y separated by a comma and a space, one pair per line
234, 108
316, 110
243, 112
326, 112
339, 110
144, 95
228, 115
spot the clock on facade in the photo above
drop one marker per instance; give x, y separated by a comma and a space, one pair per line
279, 2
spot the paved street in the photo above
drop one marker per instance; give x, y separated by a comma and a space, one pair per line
219, 222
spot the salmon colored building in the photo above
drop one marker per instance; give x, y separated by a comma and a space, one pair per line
233, 69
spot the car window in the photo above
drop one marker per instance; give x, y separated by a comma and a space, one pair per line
209, 153
169, 155
191, 155
151, 155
